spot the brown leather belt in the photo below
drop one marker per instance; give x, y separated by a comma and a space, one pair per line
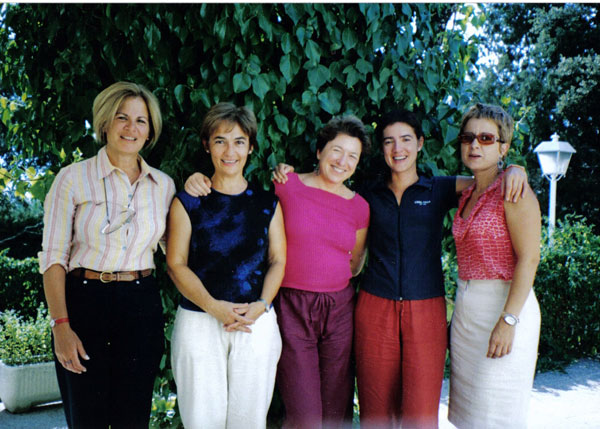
107, 276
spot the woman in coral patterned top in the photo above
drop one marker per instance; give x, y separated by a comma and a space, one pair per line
496, 322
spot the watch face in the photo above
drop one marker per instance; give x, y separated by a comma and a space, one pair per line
510, 320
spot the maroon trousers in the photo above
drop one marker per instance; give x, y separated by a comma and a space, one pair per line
400, 349
314, 375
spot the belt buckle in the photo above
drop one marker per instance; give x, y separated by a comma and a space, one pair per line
102, 274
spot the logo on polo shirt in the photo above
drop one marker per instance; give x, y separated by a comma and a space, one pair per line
422, 203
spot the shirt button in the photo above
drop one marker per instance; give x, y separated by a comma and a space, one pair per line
124, 247
129, 196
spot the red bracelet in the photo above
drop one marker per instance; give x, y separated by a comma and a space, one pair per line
55, 322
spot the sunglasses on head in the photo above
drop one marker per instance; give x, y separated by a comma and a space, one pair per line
482, 138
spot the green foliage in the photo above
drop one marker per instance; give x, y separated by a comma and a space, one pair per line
25, 340
20, 225
549, 70
295, 65
163, 413
567, 286
20, 285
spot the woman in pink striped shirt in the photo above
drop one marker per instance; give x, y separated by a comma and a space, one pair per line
103, 219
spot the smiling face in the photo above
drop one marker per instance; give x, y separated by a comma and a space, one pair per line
478, 157
400, 147
229, 147
129, 129
339, 158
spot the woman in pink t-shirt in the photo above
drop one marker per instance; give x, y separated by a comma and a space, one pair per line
326, 228
496, 321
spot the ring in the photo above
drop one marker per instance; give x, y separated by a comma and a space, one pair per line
68, 362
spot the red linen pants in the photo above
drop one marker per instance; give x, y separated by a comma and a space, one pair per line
400, 349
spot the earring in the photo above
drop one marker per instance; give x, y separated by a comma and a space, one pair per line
317, 170
500, 164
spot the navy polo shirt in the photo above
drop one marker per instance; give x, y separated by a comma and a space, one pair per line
405, 241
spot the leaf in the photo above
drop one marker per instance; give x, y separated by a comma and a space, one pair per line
364, 66
151, 36
288, 65
318, 76
260, 86
286, 43
330, 101
180, 94
31, 173
313, 52
349, 38
202, 96
241, 82
282, 123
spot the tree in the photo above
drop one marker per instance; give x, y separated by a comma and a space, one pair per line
549, 67
295, 65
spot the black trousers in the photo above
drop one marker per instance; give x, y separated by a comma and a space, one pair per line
121, 327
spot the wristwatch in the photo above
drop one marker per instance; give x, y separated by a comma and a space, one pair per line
267, 305
510, 319
54, 322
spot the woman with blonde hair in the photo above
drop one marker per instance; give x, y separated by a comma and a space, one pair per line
496, 321
103, 219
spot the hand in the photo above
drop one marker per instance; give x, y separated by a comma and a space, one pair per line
281, 171
68, 348
252, 312
501, 340
198, 185
229, 314
514, 183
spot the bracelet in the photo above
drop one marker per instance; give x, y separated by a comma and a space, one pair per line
55, 322
517, 166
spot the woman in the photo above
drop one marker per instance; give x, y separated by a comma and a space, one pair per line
400, 319
496, 321
103, 219
326, 229
226, 254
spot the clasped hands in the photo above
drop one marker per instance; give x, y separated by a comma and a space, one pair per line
236, 317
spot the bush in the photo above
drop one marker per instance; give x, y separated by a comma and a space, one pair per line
567, 286
25, 340
21, 286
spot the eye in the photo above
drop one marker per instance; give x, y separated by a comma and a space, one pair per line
353, 156
388, 141
241, 142
121, 117
218, 141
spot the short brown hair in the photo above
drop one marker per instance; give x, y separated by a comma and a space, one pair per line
229, 112
349, 125
110, 99
497, 114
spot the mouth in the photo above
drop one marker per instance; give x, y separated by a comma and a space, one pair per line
338, 169
129, 139
229, 162
399, 158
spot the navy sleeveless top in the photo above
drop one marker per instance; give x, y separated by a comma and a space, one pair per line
229, 243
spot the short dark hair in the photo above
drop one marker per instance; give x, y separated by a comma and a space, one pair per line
229, 112
496, 114
399, 115
349, 125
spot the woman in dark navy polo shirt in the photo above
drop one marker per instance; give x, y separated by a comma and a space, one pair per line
400, 317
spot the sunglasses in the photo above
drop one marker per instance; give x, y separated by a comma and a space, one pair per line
482, 138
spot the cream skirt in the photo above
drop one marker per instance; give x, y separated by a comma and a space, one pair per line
485, 392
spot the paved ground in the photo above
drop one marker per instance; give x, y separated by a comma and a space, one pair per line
559, 400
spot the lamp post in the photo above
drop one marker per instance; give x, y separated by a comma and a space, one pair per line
554, 157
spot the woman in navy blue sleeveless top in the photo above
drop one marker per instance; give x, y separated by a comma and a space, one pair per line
226, 255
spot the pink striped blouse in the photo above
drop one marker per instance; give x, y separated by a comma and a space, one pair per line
483, 245
75, 214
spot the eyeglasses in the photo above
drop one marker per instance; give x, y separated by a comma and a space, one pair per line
124, 217
482, 138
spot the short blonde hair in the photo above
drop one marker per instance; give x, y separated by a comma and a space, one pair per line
496, 114
110, 99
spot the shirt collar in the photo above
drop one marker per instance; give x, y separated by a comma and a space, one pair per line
105, 167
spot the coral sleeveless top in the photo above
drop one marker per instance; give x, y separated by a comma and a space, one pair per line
483, 245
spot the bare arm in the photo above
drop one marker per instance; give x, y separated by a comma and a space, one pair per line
276, 271
198, 185
514, 183
524, 225
281, 171
358, 253
67, 345
190, 286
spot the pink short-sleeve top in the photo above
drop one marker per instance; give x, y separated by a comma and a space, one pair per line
483, 246
320, 229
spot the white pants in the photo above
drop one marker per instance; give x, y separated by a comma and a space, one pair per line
224, 379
